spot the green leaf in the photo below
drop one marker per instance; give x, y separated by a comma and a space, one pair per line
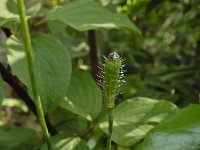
86, 15
66, 142
34, 8
135, 117
15, 103
63, 120
181, 132
8, 11
52, 66
17, 138
1, 91
17, 59
83, 96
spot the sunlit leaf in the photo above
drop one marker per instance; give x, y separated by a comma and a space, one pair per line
8, 11
134, 118
66, 142
86, 15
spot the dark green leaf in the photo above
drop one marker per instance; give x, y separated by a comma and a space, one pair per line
83, 96
17, 138
63, 120
181, 132
135, 117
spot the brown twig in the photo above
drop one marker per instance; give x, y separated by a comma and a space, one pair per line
93, 53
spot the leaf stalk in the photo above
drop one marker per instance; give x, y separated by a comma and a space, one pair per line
29, 55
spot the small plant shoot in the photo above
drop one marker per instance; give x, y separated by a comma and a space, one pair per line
111, 78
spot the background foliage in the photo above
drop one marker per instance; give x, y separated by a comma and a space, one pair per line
160, 44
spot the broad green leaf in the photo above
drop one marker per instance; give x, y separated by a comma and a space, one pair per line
86, 15
52, 66
181, 132
8, 11
53, 69
17, 138
134, 118
66, 142
83, 95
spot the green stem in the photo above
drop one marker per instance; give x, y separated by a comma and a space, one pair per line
29, 55
110, 128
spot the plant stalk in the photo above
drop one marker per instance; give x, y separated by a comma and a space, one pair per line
29, 55
110, 128
93, 53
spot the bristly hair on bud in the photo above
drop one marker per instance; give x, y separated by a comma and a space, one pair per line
111, 78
